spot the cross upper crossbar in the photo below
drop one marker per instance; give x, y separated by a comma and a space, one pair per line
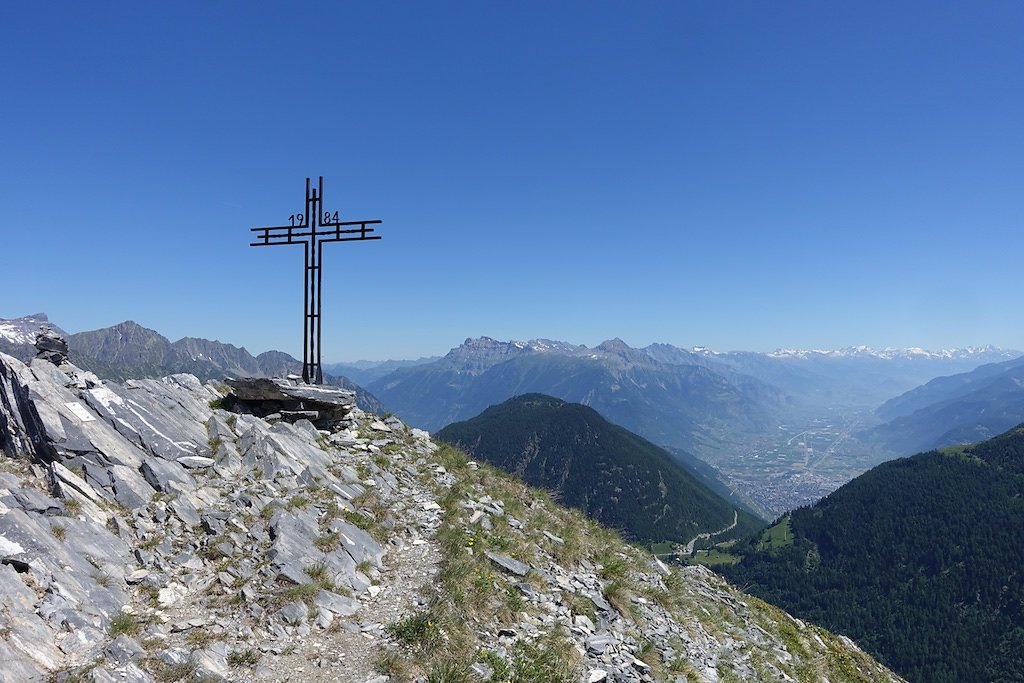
312, 229
286, 234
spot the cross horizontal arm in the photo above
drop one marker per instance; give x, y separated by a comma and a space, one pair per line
277, 227
270, 244
343, 223
322, 225
287, 234
330, 238
350, 239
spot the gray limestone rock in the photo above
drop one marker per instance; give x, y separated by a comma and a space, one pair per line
156, 417
212, 662
294, 613
360, 545
130, 488
123, 650
293, 533
507, 563
32, 500
130, 673
194, 462
338, 604
29, 646
185, 511
227, 461
161, 474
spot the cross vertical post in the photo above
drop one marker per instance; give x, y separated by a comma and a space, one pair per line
312, 228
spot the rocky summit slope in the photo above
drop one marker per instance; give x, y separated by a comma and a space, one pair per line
148, 534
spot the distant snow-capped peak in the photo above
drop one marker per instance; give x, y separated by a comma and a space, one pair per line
23, 330
891, 353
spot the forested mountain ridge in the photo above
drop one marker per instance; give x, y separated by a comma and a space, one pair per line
613, 475
920, 560
955, 409
945, 388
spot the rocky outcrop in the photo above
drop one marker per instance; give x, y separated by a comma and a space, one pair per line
51, 346
290, 399
146, 533
130, 351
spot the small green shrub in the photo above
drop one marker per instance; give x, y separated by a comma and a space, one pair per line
418, 631
612, 565
450, 671
616, 594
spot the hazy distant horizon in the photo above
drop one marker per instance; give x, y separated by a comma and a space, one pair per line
417, 355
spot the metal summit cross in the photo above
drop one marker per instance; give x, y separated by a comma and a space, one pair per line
312, 229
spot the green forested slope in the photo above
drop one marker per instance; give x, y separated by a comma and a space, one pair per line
920, 560
613, 475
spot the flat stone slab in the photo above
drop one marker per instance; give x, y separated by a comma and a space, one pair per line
515, 566
279, 389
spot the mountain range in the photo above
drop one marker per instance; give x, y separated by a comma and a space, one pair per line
918, 559
17, 335
674, 405
363, 372
960, 408
747, 389
614, 476
857, 376
130, 351
778, 427
781, 429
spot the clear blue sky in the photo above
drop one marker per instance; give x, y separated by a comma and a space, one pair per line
742, 175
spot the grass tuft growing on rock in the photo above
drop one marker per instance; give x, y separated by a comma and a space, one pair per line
450, 671
239, 658
391, 663
305, 592
550, 659
327, 542
297, 502
123, 624
418, 631
321, 575
170, 673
